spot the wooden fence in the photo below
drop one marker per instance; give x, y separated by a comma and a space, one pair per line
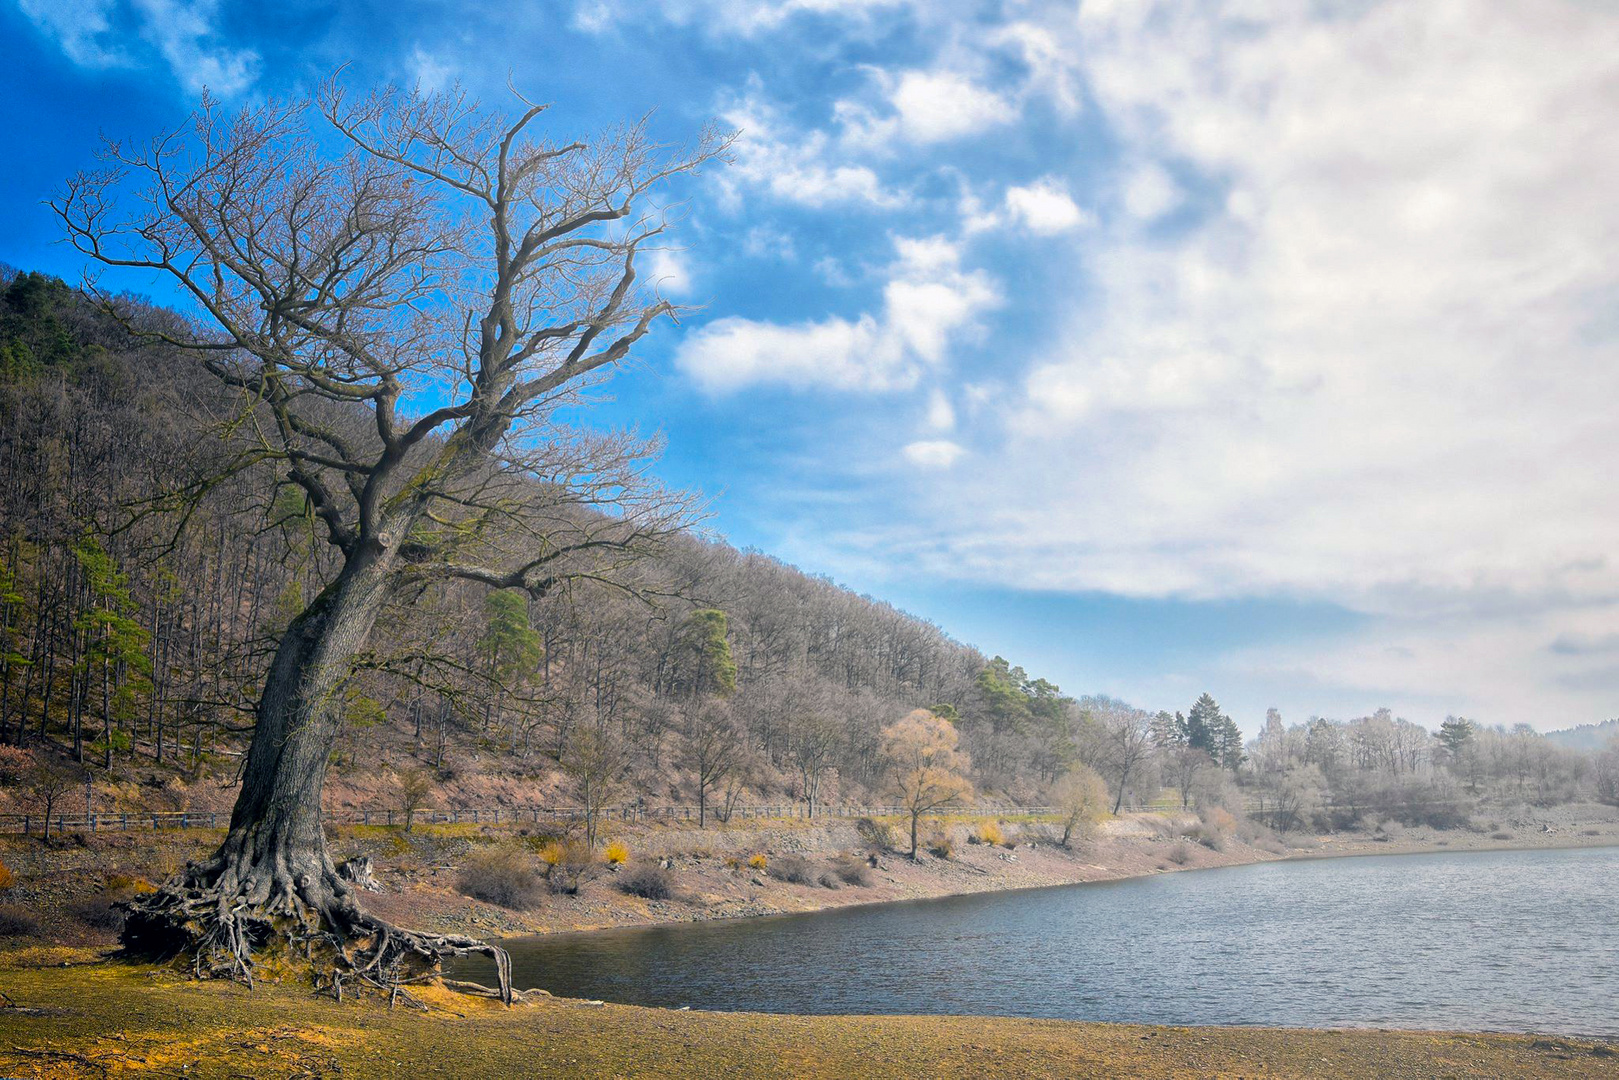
121, 821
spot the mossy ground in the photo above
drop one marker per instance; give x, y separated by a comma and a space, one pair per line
98, 1018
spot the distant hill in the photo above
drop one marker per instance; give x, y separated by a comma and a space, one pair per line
1586, 736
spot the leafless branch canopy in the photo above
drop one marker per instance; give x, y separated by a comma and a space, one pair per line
408, 289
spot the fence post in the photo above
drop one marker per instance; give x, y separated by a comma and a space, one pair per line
26, 829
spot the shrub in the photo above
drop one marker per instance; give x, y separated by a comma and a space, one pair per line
98, 913
567, 864
989, 832
940, 845
877, 835
1180, 854
503, 875
127, 883
1214, 824
852, 871
759, 861
794, 869
617, 854
17, 921
1500, 836
7, 878
829, 879
647, 880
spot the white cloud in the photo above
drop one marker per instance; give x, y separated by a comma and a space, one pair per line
429, 72
932, 453
1376, 370
1150, 192
1045, 207
941, 414
99, 34
727, 17
934, 106
1051, 70
82, 28
669, 271
928, 300
792, 165
185, 34
769, 242
923, 107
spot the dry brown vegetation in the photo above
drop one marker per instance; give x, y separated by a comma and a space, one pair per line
95, 1019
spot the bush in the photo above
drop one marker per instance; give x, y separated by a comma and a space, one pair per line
647, 880
940, 845
829, 879
759, 861
98, 912
989, 832
794, 869
616, 854
877, 835
503, 875
567, 864
7, 878
1180, 854
17, 921
127, 883
1500, 836
852, 871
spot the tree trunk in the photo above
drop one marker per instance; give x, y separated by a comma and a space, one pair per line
272, 878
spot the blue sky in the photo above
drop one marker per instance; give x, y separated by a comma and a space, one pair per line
1160, 345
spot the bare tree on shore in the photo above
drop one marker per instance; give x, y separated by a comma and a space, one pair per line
403, 318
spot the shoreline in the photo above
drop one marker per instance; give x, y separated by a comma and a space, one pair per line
1335, 846
69, 1012
100, 1018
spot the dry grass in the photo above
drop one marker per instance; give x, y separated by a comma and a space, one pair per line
112, 1019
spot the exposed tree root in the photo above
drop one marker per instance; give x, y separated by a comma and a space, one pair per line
225, 917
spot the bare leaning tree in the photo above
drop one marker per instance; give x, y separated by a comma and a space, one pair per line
410, 293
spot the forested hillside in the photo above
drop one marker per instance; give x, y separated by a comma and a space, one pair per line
143, 588
143, 593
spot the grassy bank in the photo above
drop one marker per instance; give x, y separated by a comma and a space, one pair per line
98, 1019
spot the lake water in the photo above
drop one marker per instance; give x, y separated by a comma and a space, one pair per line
1513, 941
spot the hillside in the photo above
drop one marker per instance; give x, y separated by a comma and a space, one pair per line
1586, 736
143, 589
152, 552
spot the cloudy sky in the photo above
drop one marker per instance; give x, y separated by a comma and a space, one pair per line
1269, 348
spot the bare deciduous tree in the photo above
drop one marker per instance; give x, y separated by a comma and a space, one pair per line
415, 786
711, 747
816, 741
596, 763
927, 772
403, 319
1080, 797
